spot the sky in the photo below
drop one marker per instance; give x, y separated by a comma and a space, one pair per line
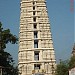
62, 23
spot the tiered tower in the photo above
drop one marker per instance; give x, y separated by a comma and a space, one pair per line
73, 51
36, 51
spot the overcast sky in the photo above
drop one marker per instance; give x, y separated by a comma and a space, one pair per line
61, 19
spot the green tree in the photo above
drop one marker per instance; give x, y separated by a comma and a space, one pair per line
72, 62
5, 37
6, 60
62, 68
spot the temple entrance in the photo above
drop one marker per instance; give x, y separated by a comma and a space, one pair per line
38, 74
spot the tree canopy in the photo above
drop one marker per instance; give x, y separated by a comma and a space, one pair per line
5, 37
64, 66
6, 60
72, 62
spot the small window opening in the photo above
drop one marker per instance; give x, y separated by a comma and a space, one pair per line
33, 7
35, 34
35, 26
36, 66
34, 19
36, 55
34, 13
35, 43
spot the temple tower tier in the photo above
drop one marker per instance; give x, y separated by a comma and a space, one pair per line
36, 54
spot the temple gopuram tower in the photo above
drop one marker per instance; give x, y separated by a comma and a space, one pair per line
73, 51
36, 55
